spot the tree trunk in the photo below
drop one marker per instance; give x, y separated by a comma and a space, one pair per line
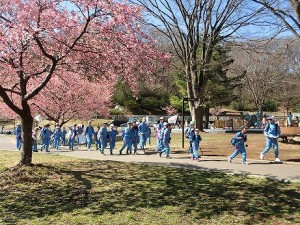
197, 115
27, 122
206, 117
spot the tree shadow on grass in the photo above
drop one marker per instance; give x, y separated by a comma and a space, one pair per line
113, 187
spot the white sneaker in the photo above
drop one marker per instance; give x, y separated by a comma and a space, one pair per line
245, 163
277, 160
261, 156
229, 159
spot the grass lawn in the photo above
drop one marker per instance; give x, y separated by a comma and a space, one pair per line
62, 190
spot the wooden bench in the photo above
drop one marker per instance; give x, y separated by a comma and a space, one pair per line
289, 132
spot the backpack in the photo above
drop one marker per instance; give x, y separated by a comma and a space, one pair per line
187, 133
233, 141
268, 127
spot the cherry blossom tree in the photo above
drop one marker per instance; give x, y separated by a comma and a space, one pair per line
81, 99
41, 39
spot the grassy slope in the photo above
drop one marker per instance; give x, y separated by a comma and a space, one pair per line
61, 190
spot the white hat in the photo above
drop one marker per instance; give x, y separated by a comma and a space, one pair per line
271, 118
111, 125
161, 118
192, 122
165, 123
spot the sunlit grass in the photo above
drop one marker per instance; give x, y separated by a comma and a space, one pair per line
62, 190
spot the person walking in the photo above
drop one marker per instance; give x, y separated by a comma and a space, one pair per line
239, 144
127, 139
112, 138
46, 137
160, 146
63, 136
166, 141
103, 137
97, 138
195, 140
149, 135
72, 133
272, 133
89, 134
135, 137
189, 133
289, 119
158, 129
18, 134
56, 137
143, 128
79, 132
34, 139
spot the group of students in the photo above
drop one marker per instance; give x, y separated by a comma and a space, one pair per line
48, 137
99, 136
136, 133
132, 135
163, 136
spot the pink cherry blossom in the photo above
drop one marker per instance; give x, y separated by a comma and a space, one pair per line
48, 45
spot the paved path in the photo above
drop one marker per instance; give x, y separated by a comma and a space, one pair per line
264, 168
7, 142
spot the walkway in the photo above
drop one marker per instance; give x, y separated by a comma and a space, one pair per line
283, 171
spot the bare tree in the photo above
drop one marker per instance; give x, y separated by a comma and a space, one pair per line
288, 94
194, 28
267, 67
287, 11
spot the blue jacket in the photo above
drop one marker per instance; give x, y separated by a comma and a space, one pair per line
143, 128
57, 134
89, 130
113, 135
18, 132
272, 130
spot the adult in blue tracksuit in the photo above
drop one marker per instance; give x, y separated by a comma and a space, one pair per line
46, 137
127, 138
143, 128
63, 136
160, 146
18, 134
241, 138
158, 129
135, 137
89, 134
166, 141
103, 137
112, 138
195, 140
56, 137
272, 133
